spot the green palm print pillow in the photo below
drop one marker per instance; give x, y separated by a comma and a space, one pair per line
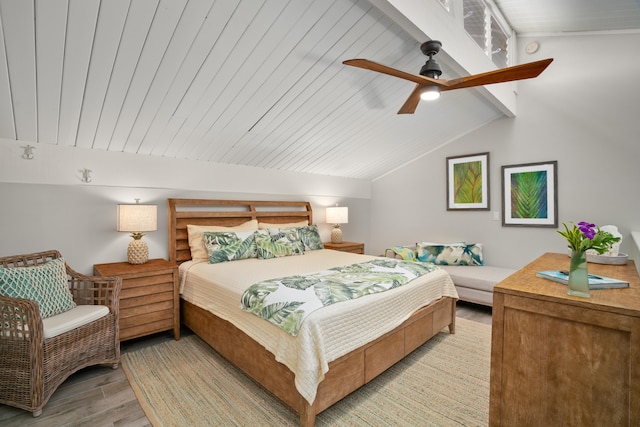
223, 246
278, 242
310, 237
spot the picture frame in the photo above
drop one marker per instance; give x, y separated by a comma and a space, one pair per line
468, 182
530, 194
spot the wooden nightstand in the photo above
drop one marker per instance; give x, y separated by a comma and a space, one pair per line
149, 299
354, 247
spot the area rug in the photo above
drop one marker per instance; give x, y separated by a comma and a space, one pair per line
443, 383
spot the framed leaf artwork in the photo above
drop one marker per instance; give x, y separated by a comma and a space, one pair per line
530, 195
468, 182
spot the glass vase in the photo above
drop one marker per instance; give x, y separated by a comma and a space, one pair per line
578, 276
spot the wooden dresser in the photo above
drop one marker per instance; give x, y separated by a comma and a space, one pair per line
354, 247
559, 360
149, 299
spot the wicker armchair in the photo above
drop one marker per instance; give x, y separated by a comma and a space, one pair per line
32, 367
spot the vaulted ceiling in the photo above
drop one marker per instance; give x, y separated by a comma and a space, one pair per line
255, 82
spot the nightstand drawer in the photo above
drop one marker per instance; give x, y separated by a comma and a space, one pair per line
129, 291
139, 330
140, 302
154, 313
353, 247
149, 300
147, 280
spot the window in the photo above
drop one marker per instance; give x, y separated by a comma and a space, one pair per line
499, 45
484, 28
474, 24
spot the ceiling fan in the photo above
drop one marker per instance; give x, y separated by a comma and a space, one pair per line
428, 84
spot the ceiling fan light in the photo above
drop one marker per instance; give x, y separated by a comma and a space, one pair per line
430, 93
431, 69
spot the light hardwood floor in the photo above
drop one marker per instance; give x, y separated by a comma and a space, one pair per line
101, 396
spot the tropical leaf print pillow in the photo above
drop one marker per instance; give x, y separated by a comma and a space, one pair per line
223, 246
454, 254
278, 242
310, 237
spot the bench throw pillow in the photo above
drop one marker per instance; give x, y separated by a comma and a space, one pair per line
451, 254
46, 284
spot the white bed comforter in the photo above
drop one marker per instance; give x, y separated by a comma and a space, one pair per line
326, 334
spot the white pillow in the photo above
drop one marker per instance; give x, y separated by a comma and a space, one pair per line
196, 237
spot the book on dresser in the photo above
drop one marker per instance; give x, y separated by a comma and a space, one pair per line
595, 281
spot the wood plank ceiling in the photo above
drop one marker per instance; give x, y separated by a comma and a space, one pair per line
570, 16
246, 82
257, 83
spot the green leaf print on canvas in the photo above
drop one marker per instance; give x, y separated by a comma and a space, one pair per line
467, 182
529, 195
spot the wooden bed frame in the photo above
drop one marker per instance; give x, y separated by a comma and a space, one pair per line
345, 374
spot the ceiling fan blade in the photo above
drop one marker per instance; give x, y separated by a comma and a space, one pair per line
517, 72
374, 66
410, 105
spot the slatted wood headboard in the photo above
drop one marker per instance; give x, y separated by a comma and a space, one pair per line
225, 213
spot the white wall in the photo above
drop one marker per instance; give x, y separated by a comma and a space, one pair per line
59, 164
582, 111
45, 205
80, 221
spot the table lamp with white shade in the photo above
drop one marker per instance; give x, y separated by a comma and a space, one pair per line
137, 219
337, 215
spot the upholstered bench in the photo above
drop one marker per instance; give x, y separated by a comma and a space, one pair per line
474, 283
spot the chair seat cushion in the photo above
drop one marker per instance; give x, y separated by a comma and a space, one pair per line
78, 316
